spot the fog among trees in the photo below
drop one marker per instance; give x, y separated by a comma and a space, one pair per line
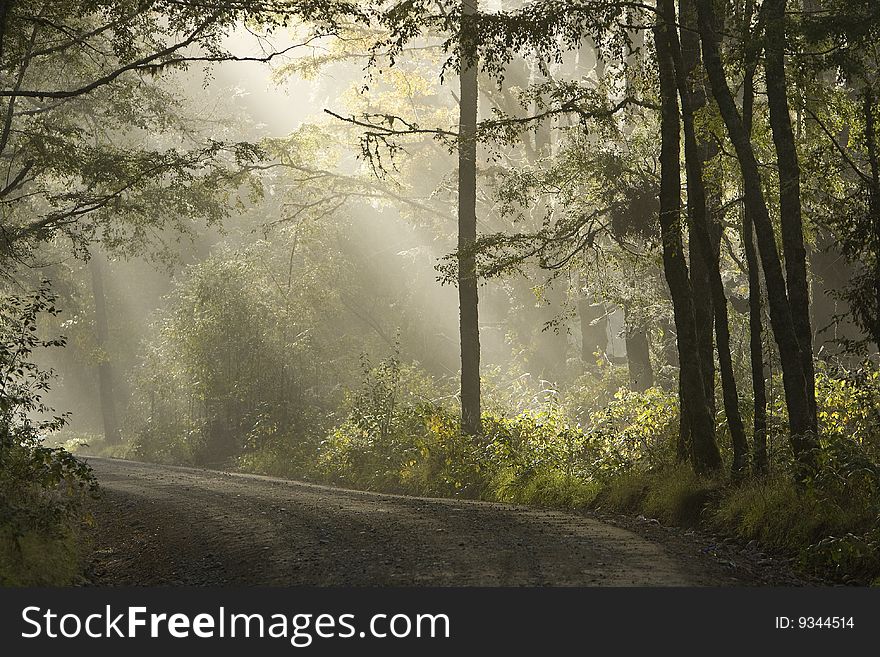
581, 254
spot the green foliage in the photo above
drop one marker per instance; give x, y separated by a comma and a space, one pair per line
537, 456
249, 358
77, 442
831, 535
672, 494
679, 497
634, 431
773, 512
851, 558
624, 493
541, 457
99, 141
38, 558
849, 406
231, 364
395, 438
41, 488
593, 391
829, 521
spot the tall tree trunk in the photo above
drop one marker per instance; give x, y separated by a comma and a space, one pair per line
756, 352
760, 462
467, 229
687, 61
706, 253
694, 403
868, 108
703, 311
106, 390
802, 424
636, 336
791, 219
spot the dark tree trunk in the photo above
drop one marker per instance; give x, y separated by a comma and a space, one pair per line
694, 403
594, 338
467, 232
760, 462
703, 312
707, 256
106, 389
638, 354
791, 220
756, 352
868, 108
802, 424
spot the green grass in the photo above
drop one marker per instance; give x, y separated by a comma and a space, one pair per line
40, 559
673, 495
775, 513
624, 493
544, 487
833, 535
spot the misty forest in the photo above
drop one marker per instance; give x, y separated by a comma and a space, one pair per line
611, 268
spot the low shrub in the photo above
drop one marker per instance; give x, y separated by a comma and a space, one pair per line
672, 494
538, 457
677, 496
41, 488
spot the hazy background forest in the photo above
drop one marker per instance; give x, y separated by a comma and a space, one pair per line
449, 249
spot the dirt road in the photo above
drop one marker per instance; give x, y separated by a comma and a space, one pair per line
159, 525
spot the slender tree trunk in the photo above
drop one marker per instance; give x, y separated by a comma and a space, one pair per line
756, 342
802, 424
703, 311
636, 337
791, 219
868, 107
706, 253
756, 352
694, 403
106, 390
467, 231
687, 55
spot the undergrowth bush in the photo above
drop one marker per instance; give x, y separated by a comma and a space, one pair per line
41, 488
538, 457
396, 436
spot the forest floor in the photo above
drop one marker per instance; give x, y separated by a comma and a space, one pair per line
161, 525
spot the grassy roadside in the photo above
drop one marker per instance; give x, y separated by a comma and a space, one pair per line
833, 537
43, 537
42, 558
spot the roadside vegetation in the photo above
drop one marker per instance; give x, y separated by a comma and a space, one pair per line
41, 488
